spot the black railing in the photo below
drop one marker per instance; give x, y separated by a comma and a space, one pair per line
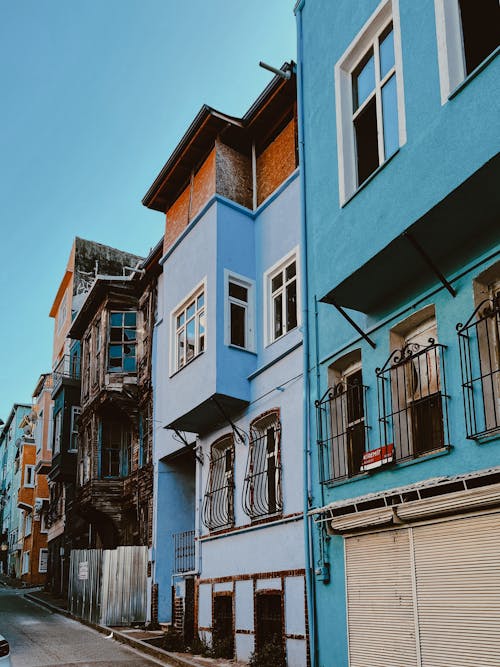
67, 367
342, 430
218, 504
184, 552
479, 345
412, 400
262, 485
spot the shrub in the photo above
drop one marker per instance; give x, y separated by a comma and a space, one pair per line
270, 654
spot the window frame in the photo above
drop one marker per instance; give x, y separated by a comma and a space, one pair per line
30, 468
249, 285
220, 484
367, 37
57, 434
269, 274
181, 307
42, 551
75, 410
451, 50
25, 566
28, 524
122, 343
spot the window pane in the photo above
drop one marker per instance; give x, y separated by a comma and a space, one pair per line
130, 319
278, 323
363, 80
129, 350
180, 349
290, 271
390, 113
238, 291
116, 319
115, 351
180, 320
386, 51
129, 364
200, 301
291, 306
365, 127
129, 334
277, 282
190, 334
480, 30
201, 331
115, 334
238, 325
190, 310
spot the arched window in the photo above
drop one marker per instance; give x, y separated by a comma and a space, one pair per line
218, 506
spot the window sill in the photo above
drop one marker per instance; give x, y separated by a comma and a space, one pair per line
179, 370
474, 73
486, 438
241, 349
369, 179
275, 340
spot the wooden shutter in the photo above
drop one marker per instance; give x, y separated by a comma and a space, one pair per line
381, 620
457, 567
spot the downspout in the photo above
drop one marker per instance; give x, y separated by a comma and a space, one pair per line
310, 591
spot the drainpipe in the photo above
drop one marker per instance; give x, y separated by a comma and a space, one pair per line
310, 582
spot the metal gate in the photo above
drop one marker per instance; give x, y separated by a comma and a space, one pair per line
109, 587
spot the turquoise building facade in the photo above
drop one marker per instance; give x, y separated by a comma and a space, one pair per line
399, 119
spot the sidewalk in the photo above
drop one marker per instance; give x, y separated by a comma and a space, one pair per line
134, 637
9, 582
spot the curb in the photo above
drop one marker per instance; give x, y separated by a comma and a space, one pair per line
138, 644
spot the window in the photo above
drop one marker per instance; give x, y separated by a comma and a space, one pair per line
369, 100
122, 342
97, 352
75, 416
189, 329
25, 568
239, 312
262, 485
223, 629
44, 527
342, 427
410, 389
62, 313
115, 448
218, 506
43, 560
56, 447
479, 341
28, 524
282, 298
468, 32
269, 620
29, 476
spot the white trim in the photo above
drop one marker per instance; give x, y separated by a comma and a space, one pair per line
266, 283
25, 566
75, 410
249, 284
451, 57
200, 287
387, 11
26, 468
40, 570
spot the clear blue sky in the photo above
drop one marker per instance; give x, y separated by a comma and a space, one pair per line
95, 96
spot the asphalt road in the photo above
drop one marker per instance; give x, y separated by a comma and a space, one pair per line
40, 638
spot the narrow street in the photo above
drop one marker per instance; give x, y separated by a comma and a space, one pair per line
40, 638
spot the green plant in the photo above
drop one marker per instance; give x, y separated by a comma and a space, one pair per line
201, 646
173, 641
271, 653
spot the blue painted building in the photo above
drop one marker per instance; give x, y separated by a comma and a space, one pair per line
400, 121
228, 530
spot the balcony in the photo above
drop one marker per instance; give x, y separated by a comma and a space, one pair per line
67, 371
184, 552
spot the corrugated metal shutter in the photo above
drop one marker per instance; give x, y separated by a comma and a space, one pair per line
381, 619
458, 591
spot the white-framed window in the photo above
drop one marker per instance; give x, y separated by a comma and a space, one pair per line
29, 476
369, 99
282, 297
62, 313
28, 524
189, 328
122, 342
43, 560
25, 568
43, 523
75, 416
467, 34
239, 311
56, 446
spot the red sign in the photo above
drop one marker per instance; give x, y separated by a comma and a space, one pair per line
377, 457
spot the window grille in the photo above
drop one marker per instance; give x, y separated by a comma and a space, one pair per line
262, 486
218, 505
184, 551
412, 400
479, 345
342, 429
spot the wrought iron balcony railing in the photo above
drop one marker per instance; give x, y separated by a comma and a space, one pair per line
342, 430
68, 367
218, 504
412, 400
479, 345
184, 552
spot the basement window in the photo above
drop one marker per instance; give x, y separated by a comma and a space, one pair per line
269, 617
468, 32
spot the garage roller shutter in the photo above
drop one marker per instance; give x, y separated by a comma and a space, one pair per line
380, 610
457, 567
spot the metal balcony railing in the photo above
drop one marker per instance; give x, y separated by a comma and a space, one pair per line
67, 367
412, 400
184, 552
479, 345
342, 430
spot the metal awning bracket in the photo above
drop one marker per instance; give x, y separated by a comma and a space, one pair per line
353, 324
423, 254
238, 434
